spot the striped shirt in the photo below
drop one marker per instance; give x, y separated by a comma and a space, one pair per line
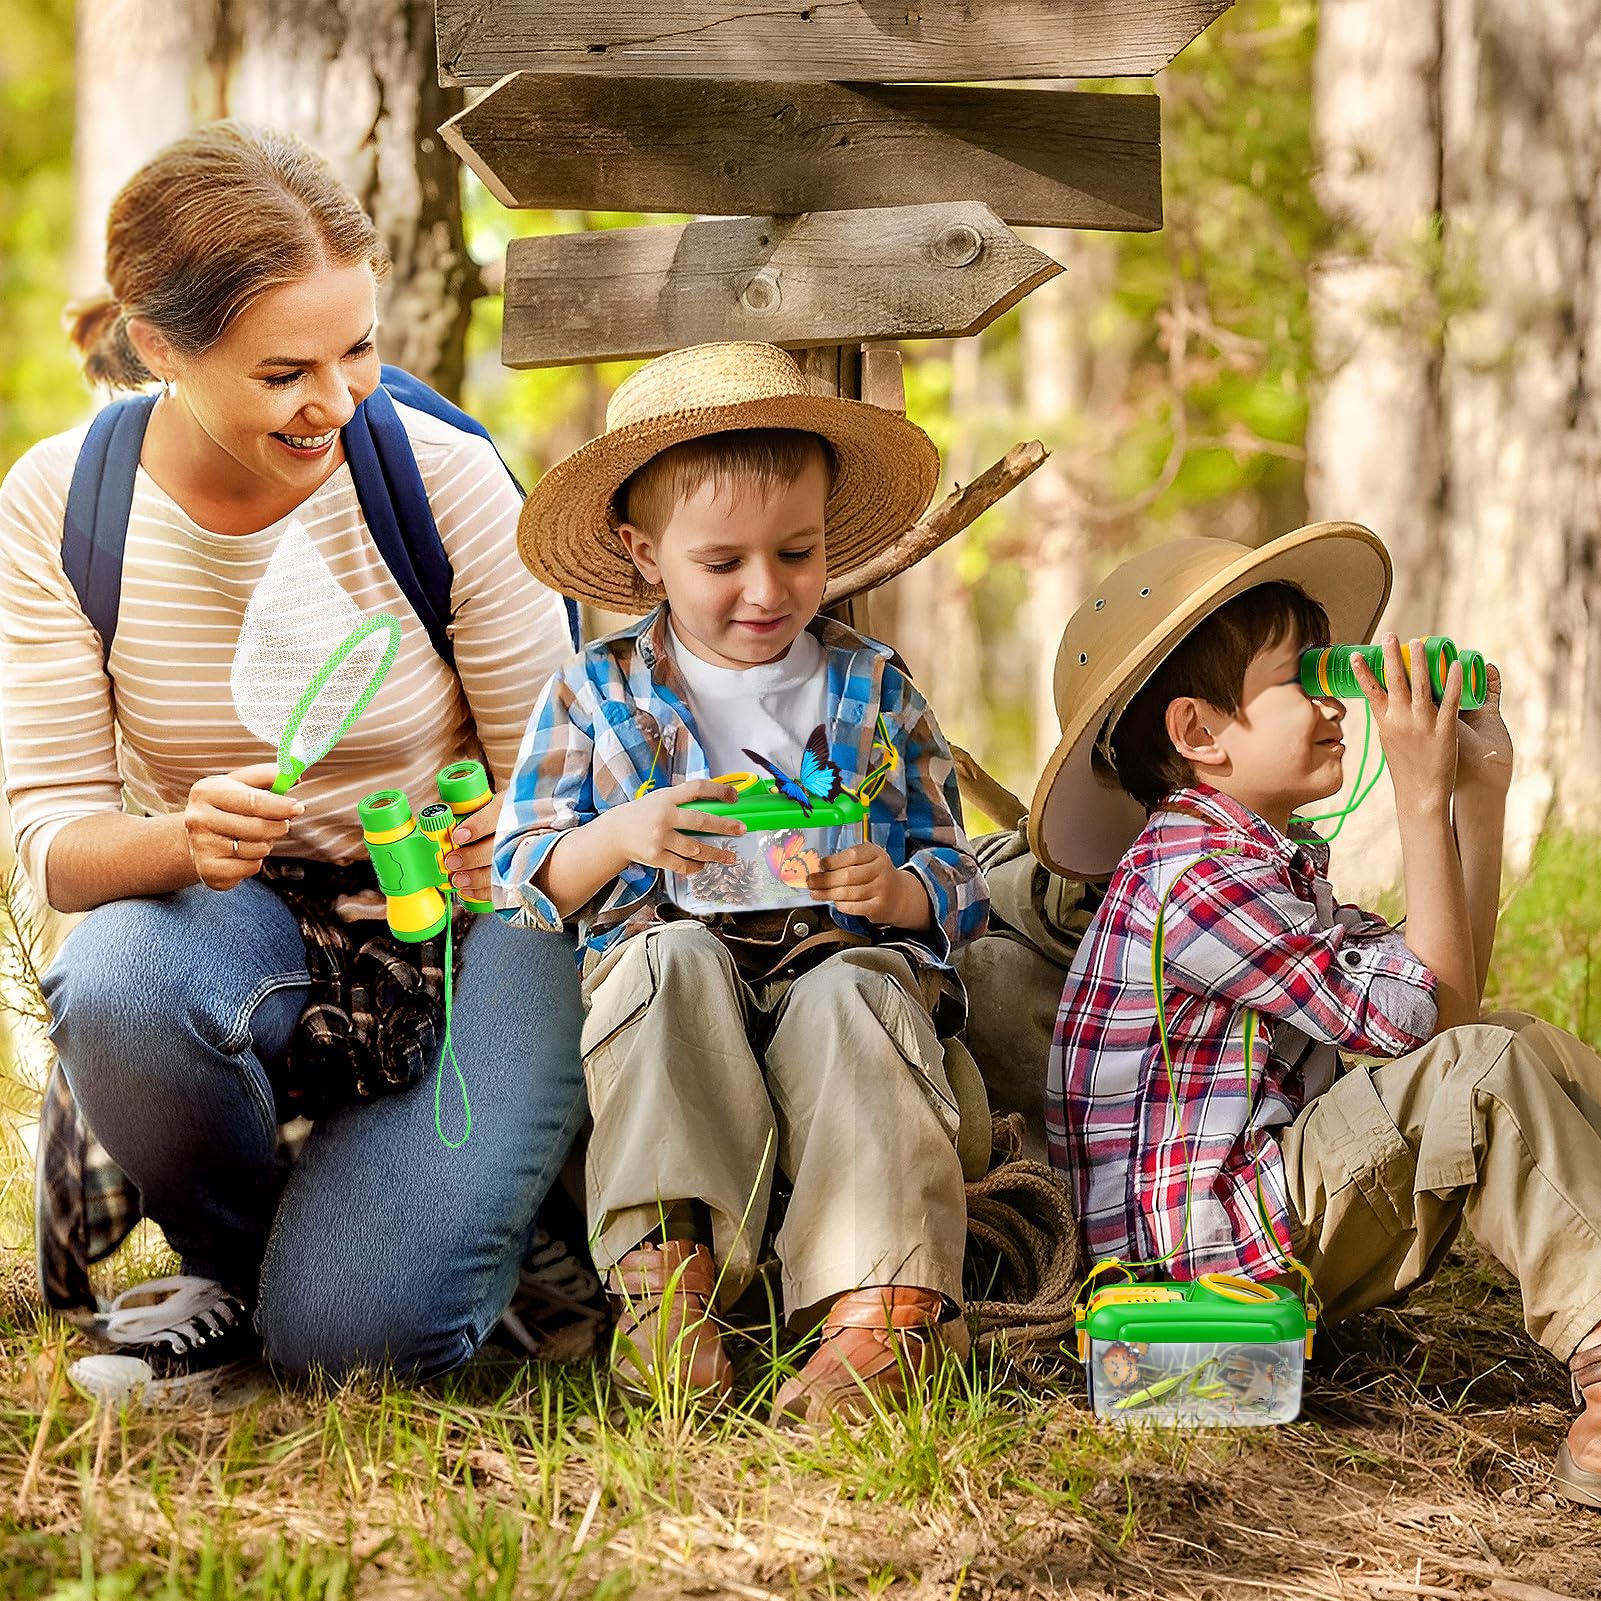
1168, 1169
618, 717
77, 731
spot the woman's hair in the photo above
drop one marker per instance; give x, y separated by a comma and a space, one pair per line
202, 229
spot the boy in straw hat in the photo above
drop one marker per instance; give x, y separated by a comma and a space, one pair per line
721, 498
1235, 1142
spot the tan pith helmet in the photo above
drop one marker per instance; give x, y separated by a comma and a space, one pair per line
1078, 825
887, 467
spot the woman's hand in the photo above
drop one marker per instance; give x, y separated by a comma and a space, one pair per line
472, 851
233, 820
1418, 737
863, 881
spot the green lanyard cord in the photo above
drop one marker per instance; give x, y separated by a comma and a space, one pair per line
1250, 1029
1359, 790
448, 1048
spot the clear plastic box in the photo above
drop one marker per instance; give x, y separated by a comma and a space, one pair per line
1216, 1352
783, 843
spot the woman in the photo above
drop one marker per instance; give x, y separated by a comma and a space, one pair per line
243, 279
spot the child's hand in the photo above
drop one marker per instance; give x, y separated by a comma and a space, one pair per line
1418, 737
863, 881
1483, 745
654, 832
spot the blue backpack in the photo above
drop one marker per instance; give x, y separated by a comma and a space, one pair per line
388, 485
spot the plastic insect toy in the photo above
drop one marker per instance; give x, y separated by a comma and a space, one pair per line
819, 780
792, 860
1120, 1364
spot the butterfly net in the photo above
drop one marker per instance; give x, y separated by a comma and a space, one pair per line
307, 662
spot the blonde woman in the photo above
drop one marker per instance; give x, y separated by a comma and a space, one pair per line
243, 280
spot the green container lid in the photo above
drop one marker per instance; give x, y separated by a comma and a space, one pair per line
762, 809
1192, 1310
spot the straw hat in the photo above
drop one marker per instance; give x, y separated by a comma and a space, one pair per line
1078, 825
887, 467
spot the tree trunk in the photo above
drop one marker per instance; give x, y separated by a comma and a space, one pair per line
1374, 449
355, 78
1522, 382
1479, 465
1056, 359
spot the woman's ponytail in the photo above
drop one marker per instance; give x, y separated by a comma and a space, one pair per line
98, 328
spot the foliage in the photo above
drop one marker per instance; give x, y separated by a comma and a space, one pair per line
40, 390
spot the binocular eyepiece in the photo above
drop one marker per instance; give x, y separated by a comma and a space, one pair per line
408, 854
1327, 670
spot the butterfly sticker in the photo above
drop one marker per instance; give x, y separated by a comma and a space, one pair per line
820, 779
791, 859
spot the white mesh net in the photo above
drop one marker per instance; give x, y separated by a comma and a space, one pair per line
297, 622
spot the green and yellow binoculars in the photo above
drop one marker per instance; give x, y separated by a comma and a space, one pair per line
1327, 670
408, 853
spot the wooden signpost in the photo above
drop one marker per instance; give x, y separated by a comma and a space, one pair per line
1033, 156
859, 186
892, 41
825, 278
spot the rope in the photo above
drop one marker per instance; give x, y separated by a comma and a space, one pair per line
1022, 1227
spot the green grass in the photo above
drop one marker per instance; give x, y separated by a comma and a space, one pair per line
1421, 1456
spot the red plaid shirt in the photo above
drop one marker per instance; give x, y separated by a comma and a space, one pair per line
1254, 928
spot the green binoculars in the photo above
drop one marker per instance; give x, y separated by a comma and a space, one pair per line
1327, 670
408, 853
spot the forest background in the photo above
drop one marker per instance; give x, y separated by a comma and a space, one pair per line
1377, 296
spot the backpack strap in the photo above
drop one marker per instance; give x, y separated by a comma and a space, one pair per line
395, 502
99, 499
389, 486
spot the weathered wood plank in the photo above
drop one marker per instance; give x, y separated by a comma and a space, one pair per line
880, 40
1036, 156
825, 278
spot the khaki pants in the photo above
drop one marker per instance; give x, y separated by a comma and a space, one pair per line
1496, 1125
699, 1082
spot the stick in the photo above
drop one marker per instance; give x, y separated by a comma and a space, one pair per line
949, 518
986, 792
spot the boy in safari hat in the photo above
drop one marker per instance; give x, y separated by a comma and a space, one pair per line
720, 500
1222, 1134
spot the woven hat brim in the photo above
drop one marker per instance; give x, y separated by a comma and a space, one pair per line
1079, 826
888, 469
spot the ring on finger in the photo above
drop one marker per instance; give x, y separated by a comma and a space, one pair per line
236, 847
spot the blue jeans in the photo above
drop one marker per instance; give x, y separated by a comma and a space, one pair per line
384, 1245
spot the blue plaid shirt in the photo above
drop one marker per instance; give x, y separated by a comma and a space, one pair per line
618, 714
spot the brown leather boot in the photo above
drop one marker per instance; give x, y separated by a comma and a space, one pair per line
665, 1340
877, 1343
1583, 1444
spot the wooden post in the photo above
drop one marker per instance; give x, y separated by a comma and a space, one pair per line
837, 370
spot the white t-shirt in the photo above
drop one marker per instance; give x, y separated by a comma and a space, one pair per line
772, 708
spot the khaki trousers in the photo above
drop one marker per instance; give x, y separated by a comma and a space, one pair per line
699, 1082
1496, 1125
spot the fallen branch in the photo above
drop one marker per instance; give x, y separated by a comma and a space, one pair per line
953, 514
987, 792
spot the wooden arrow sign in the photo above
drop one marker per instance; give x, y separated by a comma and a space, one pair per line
881, 40
826, 278
1053, 158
